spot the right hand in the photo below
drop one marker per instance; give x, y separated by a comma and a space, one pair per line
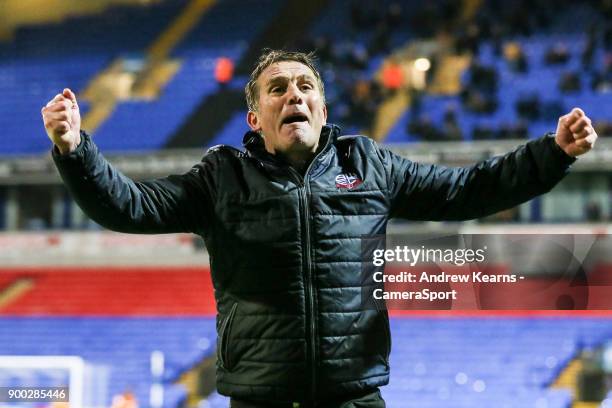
62, 121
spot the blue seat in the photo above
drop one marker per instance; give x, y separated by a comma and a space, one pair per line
122, 345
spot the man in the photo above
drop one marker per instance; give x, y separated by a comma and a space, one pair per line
283, 223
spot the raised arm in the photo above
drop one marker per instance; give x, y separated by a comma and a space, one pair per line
178, 203
430, 192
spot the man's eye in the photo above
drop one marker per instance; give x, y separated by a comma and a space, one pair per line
276, 89
306, 87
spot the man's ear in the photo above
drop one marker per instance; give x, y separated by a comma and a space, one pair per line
324, 114
253, 121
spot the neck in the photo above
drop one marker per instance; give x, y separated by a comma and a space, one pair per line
299, 158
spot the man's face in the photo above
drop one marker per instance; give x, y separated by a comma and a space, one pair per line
291, 109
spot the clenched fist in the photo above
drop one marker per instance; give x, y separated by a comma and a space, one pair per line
62, 121
575, 133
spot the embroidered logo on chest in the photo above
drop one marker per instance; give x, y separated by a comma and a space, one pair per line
347, 181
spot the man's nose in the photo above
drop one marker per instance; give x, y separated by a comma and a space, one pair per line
294, 94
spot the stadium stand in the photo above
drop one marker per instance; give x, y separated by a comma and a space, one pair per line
487, 359
343, 47
121, 345
112, 291
114, 318
456, 362
541, 81
33, 68
28, 64
468, 369
331, 26
537, 79
148, 125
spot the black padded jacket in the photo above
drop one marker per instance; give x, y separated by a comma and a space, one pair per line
285, 248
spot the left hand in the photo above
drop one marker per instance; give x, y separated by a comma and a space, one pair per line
575, 134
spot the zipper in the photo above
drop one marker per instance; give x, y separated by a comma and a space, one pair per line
304, 194
310, 286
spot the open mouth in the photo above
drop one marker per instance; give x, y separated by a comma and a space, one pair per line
295, 118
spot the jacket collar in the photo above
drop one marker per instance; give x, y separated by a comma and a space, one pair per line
254, 144
253, 141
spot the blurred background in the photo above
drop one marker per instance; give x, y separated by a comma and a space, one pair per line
130, 320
